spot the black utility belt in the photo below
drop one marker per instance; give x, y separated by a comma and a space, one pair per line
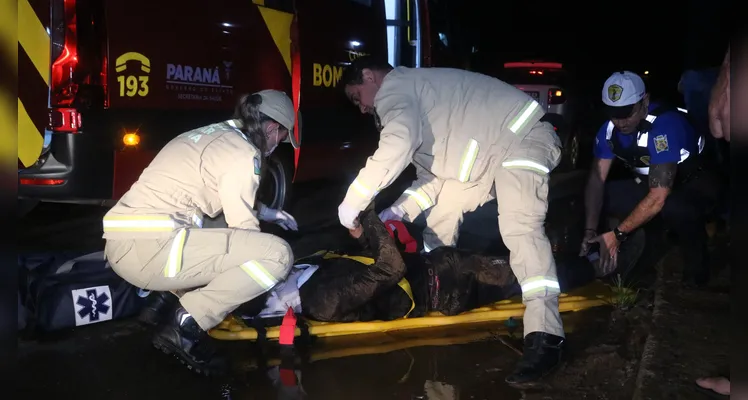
680, 179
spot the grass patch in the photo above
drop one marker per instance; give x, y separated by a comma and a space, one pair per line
624, 295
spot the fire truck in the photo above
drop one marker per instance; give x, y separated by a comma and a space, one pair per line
103, 85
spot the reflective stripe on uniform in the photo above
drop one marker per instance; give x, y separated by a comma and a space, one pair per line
138, 223
519, 121
259, 274
144, 223
233, 124
423, 200
525, 164
174, 262
197, 220
362, 190
539, 284
468, 159
643, 139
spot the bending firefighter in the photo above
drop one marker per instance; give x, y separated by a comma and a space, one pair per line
153, 235
466, 133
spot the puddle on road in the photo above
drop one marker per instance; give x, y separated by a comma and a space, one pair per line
458, 362
466, 362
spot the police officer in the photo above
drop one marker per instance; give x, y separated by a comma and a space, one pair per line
465, 133
661, 148
153, 235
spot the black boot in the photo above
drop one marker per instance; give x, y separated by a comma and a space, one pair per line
181, 336
157, 308
542, 353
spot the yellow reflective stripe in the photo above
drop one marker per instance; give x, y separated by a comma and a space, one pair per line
362, 190
405, 285
361, 259
423, 200
174, 262
525, 164
519, 121
144, 223
259, 274
317, 254
468, 159
115, 223
540, 283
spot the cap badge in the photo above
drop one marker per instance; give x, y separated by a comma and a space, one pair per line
614, 92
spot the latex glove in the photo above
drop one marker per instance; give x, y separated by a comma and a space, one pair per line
589, 234
278, 217
348, 216
394, 213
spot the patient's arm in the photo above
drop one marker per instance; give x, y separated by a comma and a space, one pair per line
378, 240
340, 290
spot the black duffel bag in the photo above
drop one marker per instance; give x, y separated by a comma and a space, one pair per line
63, 291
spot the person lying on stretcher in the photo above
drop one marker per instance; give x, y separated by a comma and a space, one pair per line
388, 280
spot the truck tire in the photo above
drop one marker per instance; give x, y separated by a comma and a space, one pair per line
25, 206
276, 186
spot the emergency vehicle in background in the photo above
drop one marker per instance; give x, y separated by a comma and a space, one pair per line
553, 87
104, 85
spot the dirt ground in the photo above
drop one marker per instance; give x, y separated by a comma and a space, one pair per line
604, 361
689, 337
657, 348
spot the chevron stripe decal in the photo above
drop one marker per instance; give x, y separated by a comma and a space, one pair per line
33, 78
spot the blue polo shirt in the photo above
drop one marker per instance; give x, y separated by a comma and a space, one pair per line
670, 133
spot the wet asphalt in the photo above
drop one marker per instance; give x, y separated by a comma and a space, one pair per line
114, 360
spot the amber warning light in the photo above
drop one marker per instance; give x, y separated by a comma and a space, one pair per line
131, 139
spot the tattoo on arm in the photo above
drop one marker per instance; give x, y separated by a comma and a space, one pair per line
662, 175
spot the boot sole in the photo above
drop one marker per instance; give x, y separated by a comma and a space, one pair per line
536, 383
170, 350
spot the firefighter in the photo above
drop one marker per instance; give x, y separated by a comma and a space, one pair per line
466, 132
153, 235
663, 151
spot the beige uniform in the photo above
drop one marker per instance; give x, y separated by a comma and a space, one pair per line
469, 134
153, 235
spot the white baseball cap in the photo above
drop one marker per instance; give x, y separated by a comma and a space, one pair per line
278, 106
621, 92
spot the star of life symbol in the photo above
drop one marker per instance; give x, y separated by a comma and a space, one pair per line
92, 305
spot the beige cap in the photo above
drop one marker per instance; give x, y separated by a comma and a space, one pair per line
278, 106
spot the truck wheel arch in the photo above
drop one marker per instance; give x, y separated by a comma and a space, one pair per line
276, 187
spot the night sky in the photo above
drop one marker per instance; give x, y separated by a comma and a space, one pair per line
596, 38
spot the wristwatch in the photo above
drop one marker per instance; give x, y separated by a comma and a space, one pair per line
621, 236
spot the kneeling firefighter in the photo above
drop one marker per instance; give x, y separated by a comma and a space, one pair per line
153, 235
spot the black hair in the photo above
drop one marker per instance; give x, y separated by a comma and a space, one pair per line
247, 110
353, 73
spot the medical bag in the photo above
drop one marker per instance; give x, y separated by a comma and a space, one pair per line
68, 290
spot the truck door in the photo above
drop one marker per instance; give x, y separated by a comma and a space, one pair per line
408, 33
336, 137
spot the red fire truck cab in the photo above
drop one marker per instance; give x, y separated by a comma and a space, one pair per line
104, 85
